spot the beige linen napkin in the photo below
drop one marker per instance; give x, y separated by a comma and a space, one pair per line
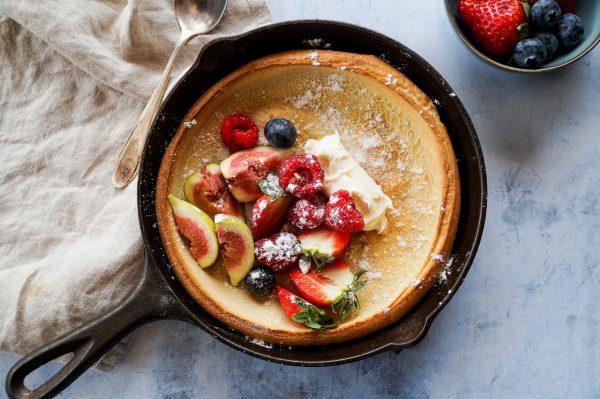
72, 76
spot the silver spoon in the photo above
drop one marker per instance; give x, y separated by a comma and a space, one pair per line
195, 17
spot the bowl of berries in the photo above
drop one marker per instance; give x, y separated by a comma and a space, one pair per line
527, 35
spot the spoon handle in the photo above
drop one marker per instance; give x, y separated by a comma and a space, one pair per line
128, 162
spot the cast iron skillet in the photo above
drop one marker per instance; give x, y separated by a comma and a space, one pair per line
159, 295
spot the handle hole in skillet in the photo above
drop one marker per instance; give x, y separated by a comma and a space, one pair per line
43, 373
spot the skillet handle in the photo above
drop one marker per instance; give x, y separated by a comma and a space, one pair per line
150, 300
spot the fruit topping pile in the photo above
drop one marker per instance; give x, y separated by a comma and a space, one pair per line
293, 237
522, 33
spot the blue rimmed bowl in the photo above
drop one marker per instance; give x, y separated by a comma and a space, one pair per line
587, 10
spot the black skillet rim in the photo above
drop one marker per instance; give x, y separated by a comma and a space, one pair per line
438, 296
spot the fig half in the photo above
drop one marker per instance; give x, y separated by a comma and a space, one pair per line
237, 246
208, 191
198, 227
242, 170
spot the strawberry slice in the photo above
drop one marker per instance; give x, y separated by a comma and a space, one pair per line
334, 286
323, 244
301, 311
268, 215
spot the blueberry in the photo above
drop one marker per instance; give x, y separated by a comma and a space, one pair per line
280, 132
550, 42
569, 30
544, 14
530, 53
260, 281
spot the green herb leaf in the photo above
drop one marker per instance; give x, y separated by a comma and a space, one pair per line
319, 258
348, 301
270, 186
313, 317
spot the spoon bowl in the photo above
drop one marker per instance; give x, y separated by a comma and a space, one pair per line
199, 16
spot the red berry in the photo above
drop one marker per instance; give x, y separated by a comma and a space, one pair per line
341, 213
306, 214
493, 23
269, 215
288, 302
239, 132
278, 252
301, 175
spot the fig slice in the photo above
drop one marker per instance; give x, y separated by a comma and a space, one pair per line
237, 246
242, 170
208, 191
198, 227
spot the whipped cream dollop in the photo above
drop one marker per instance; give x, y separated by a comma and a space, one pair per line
342, 172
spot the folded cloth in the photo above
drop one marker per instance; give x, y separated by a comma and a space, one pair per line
73, 75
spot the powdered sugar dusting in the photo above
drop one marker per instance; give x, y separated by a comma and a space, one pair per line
401, 242
421, 238
447, 270
363, 264
284, 248
389, 80
367, 142
189, 124
259, 342
316, 42
309, 96
336, 82
219, 217
270, 186
262, 205
314, 55
369, 276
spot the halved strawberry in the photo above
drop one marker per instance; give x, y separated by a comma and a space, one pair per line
301, 311
323, 244
334, 285
268, 215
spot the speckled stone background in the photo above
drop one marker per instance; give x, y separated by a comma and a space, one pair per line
526, 321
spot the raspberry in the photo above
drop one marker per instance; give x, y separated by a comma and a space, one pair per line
341, 213
239, 132
301, 175
278, 252
307, 214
